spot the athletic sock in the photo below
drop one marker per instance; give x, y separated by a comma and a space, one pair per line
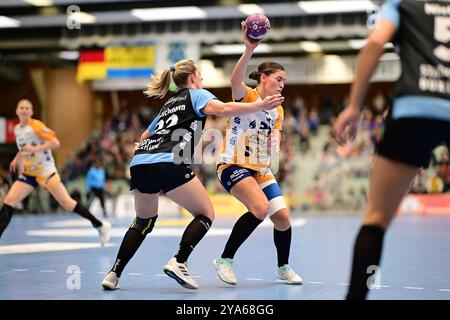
194, 232
6, 213
84, 212
367, 252
131, 242
242, 229
282, 241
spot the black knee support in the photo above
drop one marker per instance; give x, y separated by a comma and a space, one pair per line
144, 226
5, 217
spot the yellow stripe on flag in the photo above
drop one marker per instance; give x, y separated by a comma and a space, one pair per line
91, 71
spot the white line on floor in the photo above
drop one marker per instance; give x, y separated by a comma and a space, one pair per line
253, 279
413, 288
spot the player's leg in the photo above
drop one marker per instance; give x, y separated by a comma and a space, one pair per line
389, 182
242, 185
54, 185
18, 191
146, 206
192, 196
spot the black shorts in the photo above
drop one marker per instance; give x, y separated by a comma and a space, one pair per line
412, 140
166, 176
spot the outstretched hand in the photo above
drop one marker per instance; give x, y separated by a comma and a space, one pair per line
13, 166
346, 125
271, 102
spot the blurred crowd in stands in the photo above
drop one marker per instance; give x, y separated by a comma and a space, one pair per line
339, 179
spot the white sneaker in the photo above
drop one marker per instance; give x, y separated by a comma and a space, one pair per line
105, 232
225, 270
180, 273
288, 275
111, 282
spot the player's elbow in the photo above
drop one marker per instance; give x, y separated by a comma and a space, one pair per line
235, 83
221, 111
375, 43
216, 108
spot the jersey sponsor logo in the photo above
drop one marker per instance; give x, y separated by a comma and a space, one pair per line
168, 111
175, 99
149, 144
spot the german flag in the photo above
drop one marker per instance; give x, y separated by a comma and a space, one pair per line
92, 65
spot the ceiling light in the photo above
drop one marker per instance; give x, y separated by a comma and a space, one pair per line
239, 48
82, 17
69, 55
178, 13
6, 22
319, 7
357, 43
250, 8
39, 3
310, 46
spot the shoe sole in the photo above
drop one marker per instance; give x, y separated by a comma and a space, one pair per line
107, 287
218, 274
180, 281
289, 282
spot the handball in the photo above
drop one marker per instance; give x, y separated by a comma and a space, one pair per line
257, 26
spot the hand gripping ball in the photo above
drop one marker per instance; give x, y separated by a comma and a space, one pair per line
257, 26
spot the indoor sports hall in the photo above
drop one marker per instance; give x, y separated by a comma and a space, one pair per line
74, 116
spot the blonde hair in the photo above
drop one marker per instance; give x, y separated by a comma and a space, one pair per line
159, 84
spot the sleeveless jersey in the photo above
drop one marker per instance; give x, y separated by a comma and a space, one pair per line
247, 137
38, 163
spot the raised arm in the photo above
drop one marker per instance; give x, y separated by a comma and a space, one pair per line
238, 74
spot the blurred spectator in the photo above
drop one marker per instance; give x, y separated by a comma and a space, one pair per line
96, 184
313, 121
419, 184
4, 187
443, 169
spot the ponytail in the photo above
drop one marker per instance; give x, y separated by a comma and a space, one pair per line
159, 84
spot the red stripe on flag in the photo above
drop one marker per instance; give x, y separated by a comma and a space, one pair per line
10, 124
92, 56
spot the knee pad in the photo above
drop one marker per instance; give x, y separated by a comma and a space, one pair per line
144, 226
276, 204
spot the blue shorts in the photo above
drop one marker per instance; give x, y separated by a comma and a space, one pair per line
42, 180
230, 175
